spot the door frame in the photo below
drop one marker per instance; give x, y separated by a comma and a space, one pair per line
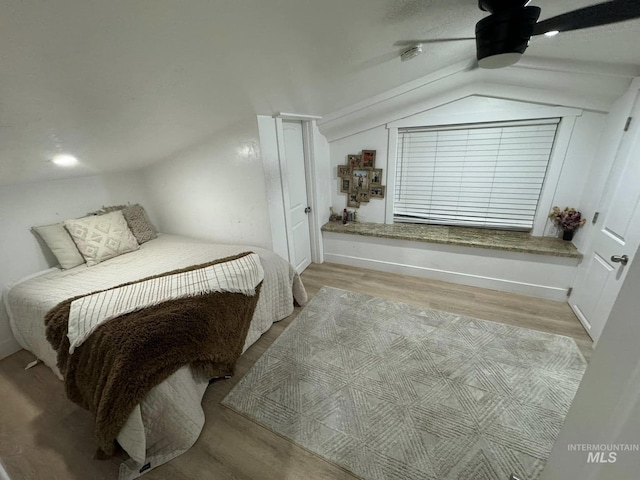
308, 124
312, 190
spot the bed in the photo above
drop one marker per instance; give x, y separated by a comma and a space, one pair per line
170, 418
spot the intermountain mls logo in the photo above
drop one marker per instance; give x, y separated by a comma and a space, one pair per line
603, 453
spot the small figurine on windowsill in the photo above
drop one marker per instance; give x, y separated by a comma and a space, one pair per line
349, 216
333, 216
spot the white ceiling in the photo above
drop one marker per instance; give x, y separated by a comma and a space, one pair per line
123, 83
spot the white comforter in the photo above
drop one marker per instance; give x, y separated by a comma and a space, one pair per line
170, 419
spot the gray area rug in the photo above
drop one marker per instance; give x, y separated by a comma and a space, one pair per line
391, 391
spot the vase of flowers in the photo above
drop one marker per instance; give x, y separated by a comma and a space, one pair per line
569, 220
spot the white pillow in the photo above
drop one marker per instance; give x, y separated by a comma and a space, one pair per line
61, 244
101, 237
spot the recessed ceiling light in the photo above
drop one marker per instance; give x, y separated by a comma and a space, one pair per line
65, 160
551, 33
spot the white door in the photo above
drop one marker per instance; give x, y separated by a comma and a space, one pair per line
617, 235
298, 234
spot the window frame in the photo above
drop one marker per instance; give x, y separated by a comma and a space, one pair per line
563, 136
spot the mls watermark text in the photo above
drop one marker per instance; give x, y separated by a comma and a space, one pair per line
603, 452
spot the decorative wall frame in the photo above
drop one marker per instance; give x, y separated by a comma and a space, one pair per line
376, 177
345, 185
354, 160
377, 192
368, 158
363, 195
344, 171
359, 179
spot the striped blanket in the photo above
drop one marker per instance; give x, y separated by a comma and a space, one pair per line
198, 316
87, 313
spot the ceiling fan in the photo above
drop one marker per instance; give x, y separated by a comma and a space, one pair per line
503, 36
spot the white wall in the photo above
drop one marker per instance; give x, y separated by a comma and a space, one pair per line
574, 167
273, 182
23, 206
581, 157
584, 96
589, 87
215, 191
374, 139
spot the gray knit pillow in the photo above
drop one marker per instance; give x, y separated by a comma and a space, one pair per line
137, 220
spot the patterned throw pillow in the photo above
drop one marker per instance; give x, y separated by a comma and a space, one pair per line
102, 237
61, 244
136, 218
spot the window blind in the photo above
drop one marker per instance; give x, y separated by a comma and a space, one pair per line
480, 175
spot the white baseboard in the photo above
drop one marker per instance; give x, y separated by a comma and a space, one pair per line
8, 347
541, 291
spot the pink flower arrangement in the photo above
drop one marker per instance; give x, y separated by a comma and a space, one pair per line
567, 219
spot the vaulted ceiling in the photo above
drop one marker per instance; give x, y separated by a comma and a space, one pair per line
122, 83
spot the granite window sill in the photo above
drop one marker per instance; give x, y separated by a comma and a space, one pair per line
461, 236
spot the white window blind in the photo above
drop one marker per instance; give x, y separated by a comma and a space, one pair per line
480, 175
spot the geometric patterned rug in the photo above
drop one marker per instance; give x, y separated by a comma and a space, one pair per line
388, 390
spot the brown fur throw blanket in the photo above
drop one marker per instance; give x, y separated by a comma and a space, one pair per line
114, 369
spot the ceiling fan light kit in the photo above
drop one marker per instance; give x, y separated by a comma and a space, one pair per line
499, 60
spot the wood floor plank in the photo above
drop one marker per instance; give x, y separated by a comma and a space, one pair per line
44, 436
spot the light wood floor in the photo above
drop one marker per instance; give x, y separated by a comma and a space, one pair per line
44, 436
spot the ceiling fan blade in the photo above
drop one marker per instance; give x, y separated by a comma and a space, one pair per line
592, 16
432, 40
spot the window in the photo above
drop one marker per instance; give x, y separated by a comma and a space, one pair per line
479, 175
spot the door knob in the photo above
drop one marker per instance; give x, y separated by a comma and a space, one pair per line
620, 259
307, 210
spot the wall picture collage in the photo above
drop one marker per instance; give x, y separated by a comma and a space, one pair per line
359, 179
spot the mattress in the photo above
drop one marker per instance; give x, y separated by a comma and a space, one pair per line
170, 419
